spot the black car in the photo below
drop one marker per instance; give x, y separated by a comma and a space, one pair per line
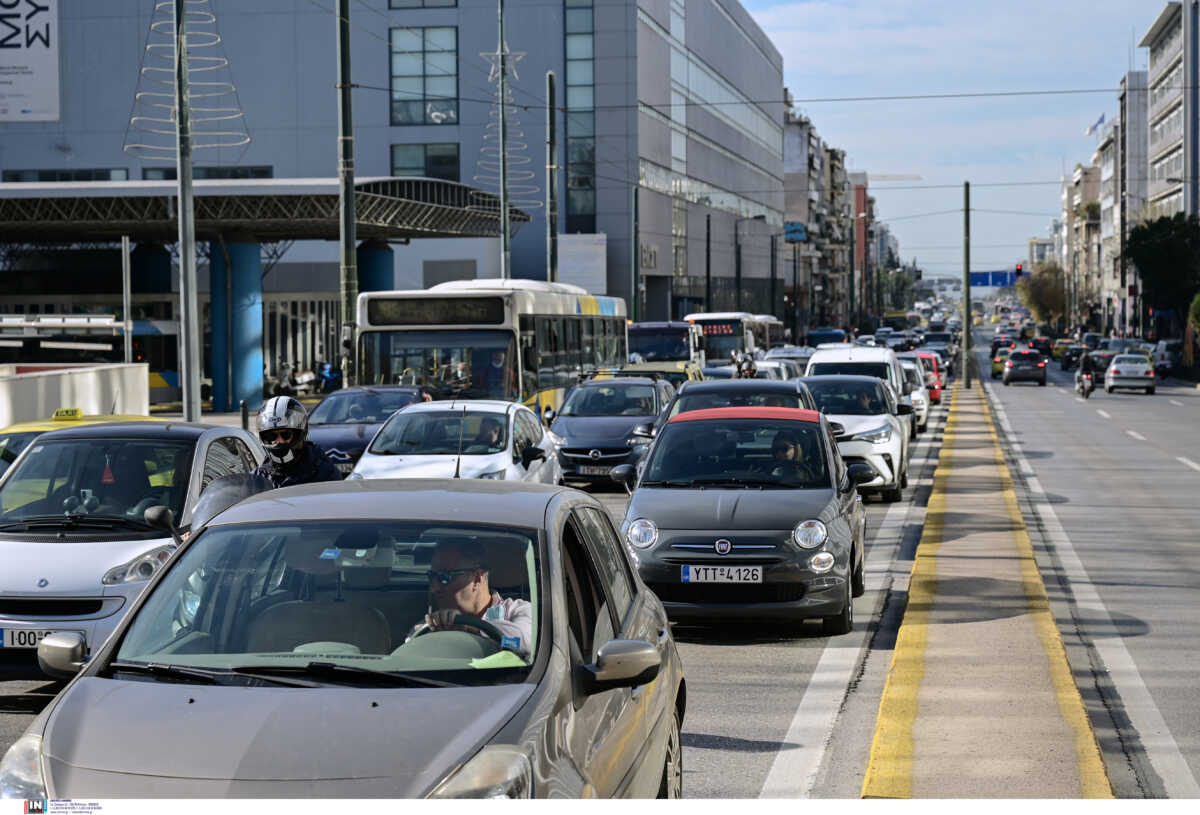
749, 512
345, 421
1070, 357
1025, 365
597, 423
791, 393
1100, 361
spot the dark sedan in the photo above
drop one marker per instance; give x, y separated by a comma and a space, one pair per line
1025, 366
749, 513
345, 421
598, 420
1070, 357
737, 393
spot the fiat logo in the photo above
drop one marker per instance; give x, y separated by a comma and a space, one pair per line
43, 583
722, 546
595, 455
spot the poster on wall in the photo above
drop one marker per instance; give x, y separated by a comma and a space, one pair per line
29, 90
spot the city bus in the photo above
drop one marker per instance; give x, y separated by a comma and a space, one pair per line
768, 331
518, 340
726, 334
676, 341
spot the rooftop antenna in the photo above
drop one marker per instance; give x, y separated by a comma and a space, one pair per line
461, 427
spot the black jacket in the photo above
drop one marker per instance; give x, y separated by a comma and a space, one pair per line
1086, 364
311, 466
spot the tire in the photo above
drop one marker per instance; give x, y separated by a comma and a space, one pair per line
892, 495
1108, 389
1149, 391
671, 785
843, 623
1041, 383
858, 581
1006, 383
924, 427
904, 478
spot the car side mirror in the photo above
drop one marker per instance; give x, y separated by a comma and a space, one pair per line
61, 654
620, 664
644, 431
838, 429
548, 415
625, 475
531, 454
160, 517
903, 410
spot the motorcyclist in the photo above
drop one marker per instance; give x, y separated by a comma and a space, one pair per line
746, 369
291, 457
1086, 366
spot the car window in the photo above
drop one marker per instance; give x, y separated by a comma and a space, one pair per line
610, 557
222, 459
442, 433
360, 407
589, 616
877, 369
739, 397
849, 397
533, 430
780, 453
522, 437
610, 400
1130, 359
244, 451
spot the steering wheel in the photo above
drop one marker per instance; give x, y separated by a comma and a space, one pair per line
484, 628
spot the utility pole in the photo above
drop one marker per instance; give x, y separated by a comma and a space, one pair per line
852, 317
708, 262
189, 324
966, 349
737, 269
349, 262
772, 310
505, 238
126, 305
551, 182
635, 269
795, 295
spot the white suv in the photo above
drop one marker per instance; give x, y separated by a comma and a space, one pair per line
881, 363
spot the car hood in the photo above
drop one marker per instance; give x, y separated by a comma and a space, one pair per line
857, 424
341, 440
111, 738
69, 568
724, 509
597, 431
373, 466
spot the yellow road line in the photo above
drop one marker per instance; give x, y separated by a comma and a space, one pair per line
889, 769
1093, 777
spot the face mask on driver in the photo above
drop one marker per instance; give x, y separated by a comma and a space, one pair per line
281, 452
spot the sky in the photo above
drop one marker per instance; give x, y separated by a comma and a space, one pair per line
856, 48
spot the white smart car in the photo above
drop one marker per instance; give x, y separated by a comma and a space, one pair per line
465, 439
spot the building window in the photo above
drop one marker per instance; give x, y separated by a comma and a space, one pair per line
428, 160
424, 76
120, 174
200, 173
422, 3
579, 45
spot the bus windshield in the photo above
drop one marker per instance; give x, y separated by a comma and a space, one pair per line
469, 363
723, 339
658, 344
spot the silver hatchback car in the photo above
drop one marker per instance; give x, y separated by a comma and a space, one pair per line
386, 638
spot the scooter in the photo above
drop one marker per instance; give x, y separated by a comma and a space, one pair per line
1085, 385
329, 377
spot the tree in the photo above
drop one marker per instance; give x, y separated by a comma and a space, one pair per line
1042, 293
1194, 313
1166, 252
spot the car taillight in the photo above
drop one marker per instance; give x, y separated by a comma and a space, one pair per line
1008, 364
1149, 373
1116, 371
1041, 365
997, 359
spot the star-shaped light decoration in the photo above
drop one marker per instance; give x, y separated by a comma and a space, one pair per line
513, 57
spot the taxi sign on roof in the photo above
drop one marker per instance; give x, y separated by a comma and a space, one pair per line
67, 414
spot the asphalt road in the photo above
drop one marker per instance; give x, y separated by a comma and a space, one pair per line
1111, 487
763, 701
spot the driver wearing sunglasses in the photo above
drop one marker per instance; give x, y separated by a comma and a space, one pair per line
458, 584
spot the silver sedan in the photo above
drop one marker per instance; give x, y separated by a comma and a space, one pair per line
1129, 371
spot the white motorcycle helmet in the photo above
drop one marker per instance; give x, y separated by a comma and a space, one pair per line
282, 413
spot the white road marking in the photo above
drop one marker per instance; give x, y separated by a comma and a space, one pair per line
1175, 402
1188, 462
1079, 399
1144, 716
1136, 435
1103, 413
794, 772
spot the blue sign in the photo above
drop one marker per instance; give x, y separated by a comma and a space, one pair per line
795, 232
998, 280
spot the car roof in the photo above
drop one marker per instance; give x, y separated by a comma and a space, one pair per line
460, 500
856, 378
374, 389
616, 380
44, 425
853, 353
470, 405
791, 414
759, 385
136, 430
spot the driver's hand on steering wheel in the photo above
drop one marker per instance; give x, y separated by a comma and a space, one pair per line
443, 620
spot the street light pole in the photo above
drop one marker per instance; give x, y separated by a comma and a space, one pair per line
737, 258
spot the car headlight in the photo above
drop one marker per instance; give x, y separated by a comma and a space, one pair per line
498, 771
140, 568
809, 534
642, 534
494, 475
21, 769
879, 435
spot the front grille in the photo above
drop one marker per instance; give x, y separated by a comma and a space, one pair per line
47, 607
860, 460
733, 593
585, 453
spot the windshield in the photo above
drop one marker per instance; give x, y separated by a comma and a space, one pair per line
610, 400
474, 364
354, 593
849, 398
741, 397
723, 338
429, 433
360, 407
659, 343
739, 452
113, 478
12, 444
875, 369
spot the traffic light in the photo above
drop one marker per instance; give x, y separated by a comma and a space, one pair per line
1020, 269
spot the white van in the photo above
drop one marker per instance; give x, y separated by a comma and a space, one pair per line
864, 361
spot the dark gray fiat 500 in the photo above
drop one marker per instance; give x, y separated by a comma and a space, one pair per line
749, 513
395, 639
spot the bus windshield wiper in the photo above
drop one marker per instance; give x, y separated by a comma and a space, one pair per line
334, 670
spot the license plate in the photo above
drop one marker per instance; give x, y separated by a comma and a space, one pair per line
592, 469
721, 574
22, 637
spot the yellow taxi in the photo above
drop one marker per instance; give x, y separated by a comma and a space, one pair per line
1059, 348
674, 371
998, 361
995, 318
16, 437
977, 321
